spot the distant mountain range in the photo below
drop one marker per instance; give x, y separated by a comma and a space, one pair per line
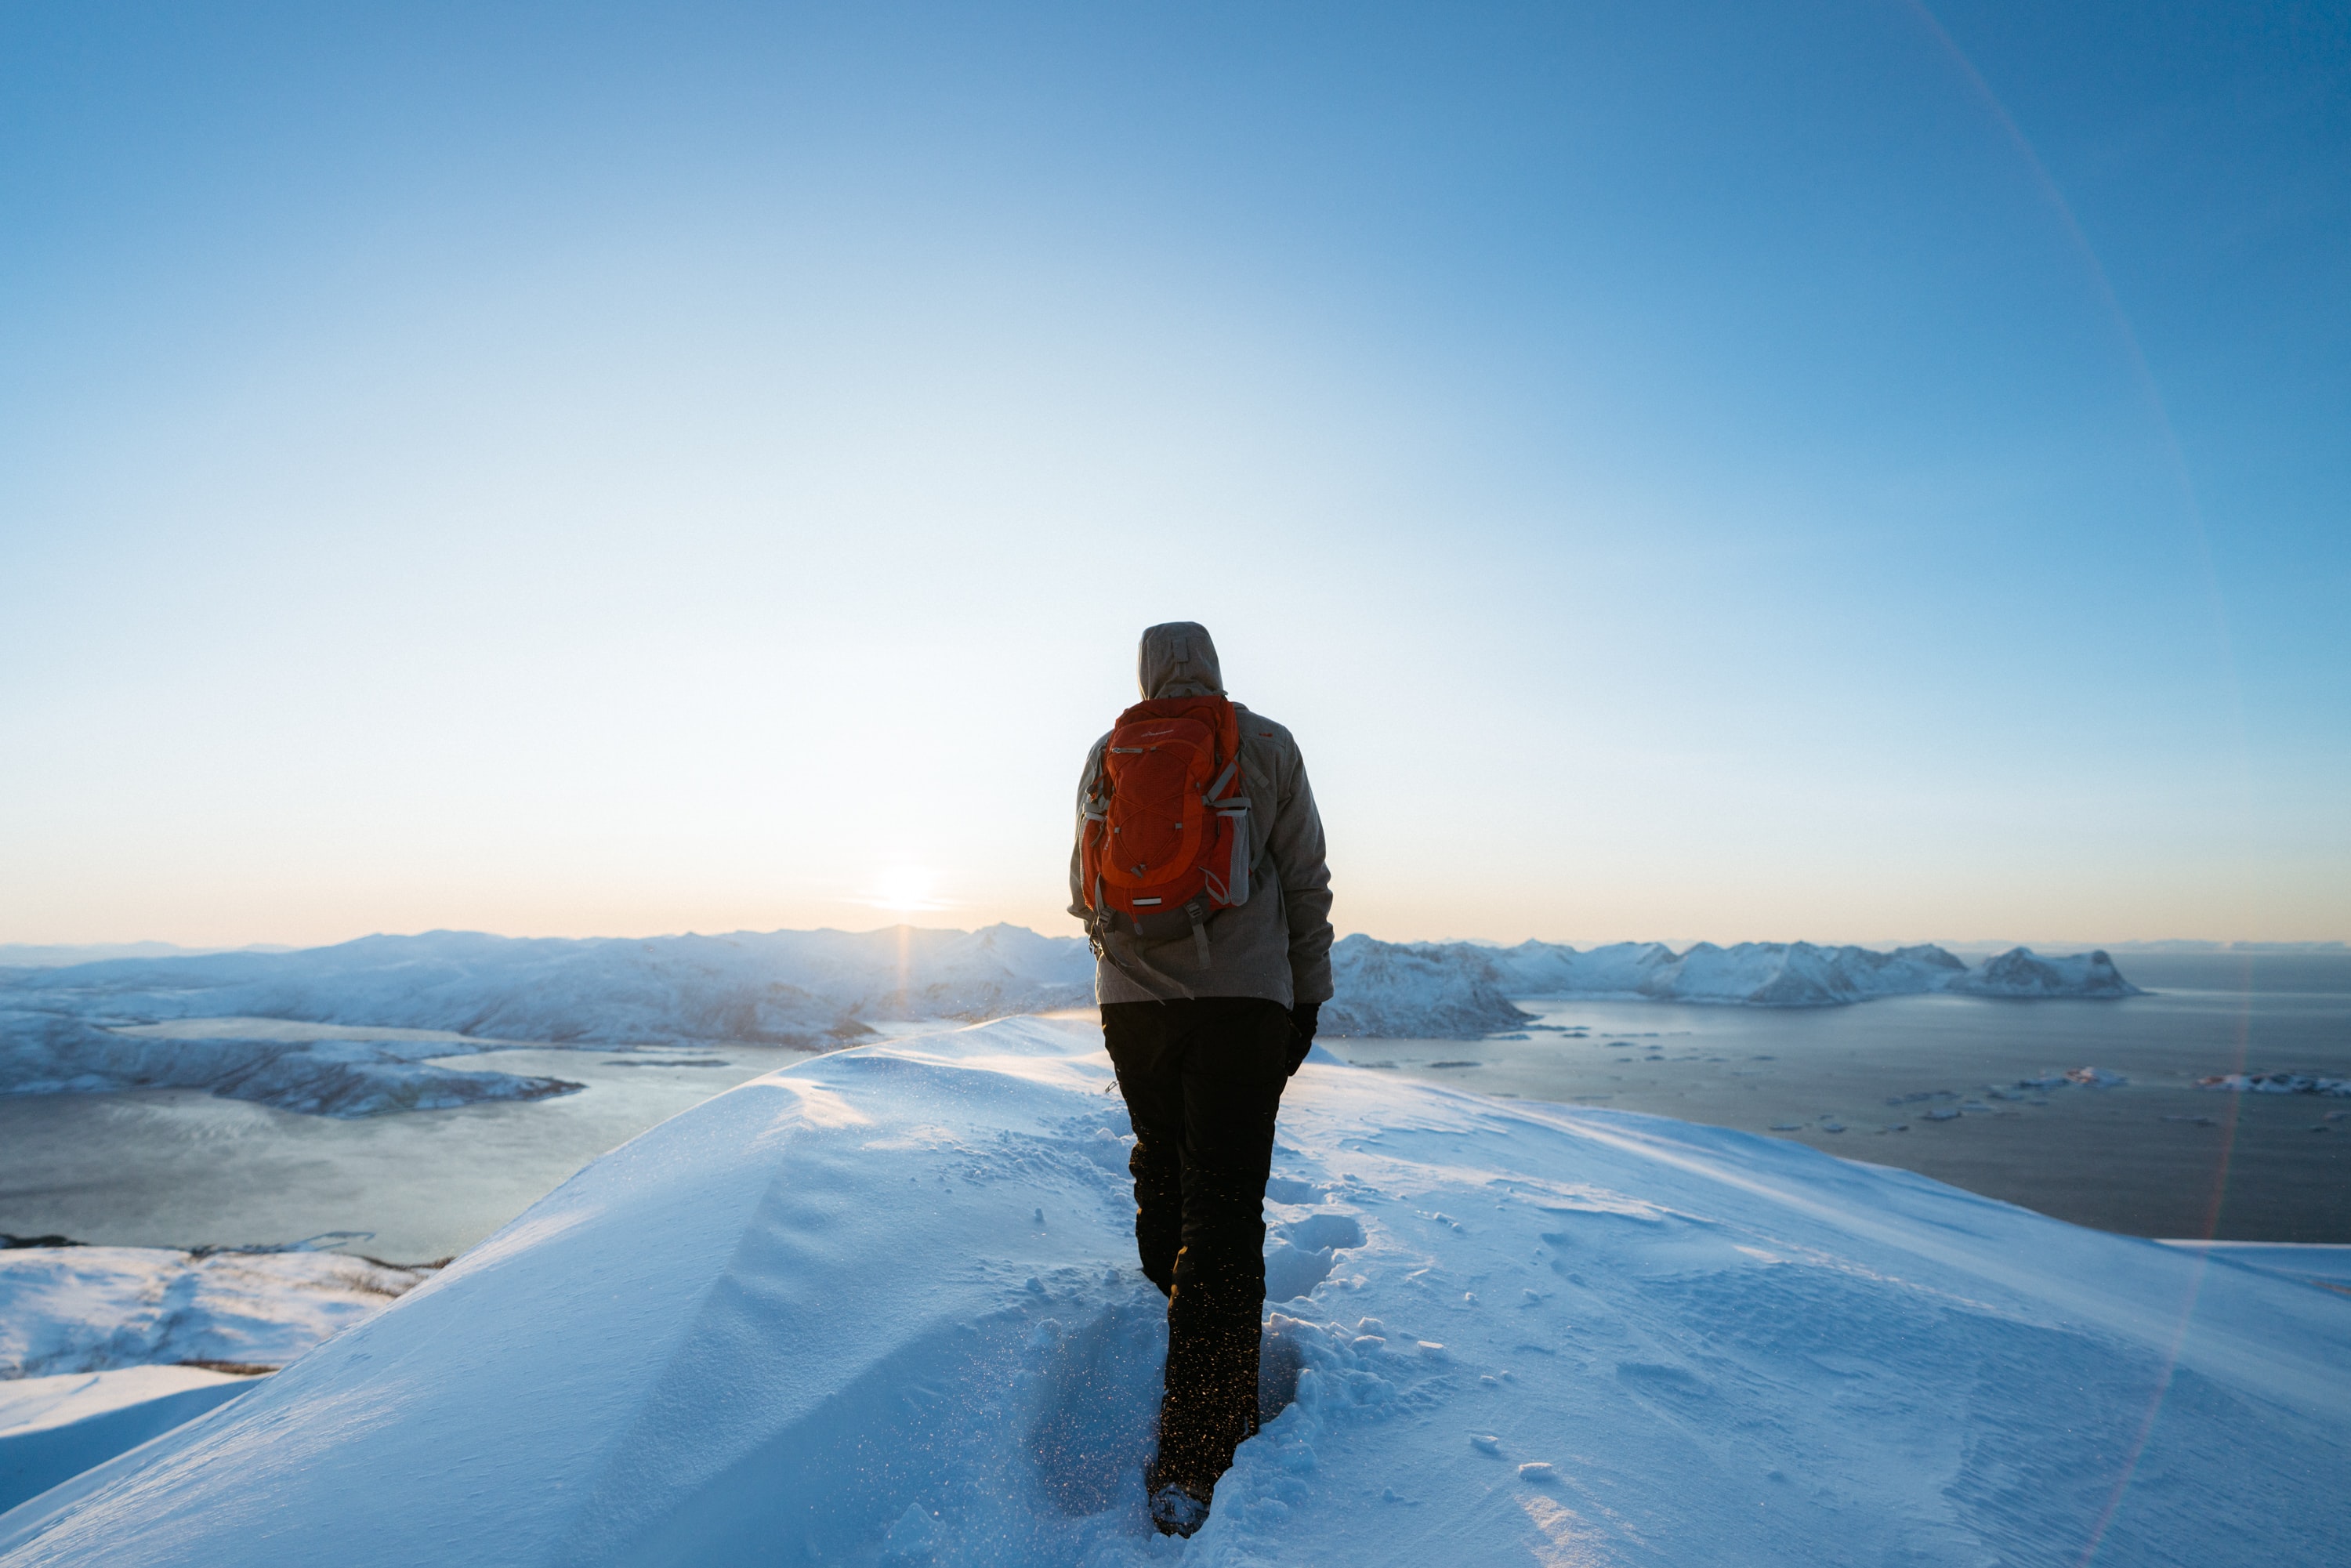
1461, 990
63, 1029
54, 955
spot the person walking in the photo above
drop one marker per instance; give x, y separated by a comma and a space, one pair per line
1201, 876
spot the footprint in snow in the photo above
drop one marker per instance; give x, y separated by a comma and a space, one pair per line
1101, 1400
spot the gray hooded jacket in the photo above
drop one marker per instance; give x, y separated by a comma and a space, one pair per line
1278, 944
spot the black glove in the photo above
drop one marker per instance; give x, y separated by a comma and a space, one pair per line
1303, 1019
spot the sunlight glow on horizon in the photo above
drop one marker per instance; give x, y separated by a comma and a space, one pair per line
905, 891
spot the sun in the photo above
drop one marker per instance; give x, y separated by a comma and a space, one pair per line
904, 889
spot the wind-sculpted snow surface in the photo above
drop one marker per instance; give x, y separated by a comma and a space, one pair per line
52, 1428
1460, 990
883, 1308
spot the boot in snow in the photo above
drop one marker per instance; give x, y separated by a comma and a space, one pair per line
1177, 1507
1176, 1512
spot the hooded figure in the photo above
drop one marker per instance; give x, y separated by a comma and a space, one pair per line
1275, 947
1203, 1035
1178, 660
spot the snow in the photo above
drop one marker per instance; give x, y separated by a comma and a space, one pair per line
52, 956
882, 1307
45, 1404
2319, 1263
48, 1053
807, 988
2022, 972
53, 1429
90, 1308
2276, 1083
1395, 990
1461, 990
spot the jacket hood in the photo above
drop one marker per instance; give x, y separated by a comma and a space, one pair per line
1178, 660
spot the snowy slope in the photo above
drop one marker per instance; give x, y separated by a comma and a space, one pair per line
53, 1429
883, 1308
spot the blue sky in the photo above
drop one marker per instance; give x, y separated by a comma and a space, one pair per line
1840, 471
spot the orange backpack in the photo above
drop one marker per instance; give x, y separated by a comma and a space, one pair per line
1166, 837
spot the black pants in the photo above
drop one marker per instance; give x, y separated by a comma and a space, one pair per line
1202, 1080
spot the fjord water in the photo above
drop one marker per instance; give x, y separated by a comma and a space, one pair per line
179, 1167
2152, 1156
2155, 1156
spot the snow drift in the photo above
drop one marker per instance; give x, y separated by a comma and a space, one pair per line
883, 1308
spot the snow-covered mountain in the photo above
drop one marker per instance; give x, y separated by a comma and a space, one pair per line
51, 955
807, 988
883, 1308
1458, 991
2022, 972
1400, 990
